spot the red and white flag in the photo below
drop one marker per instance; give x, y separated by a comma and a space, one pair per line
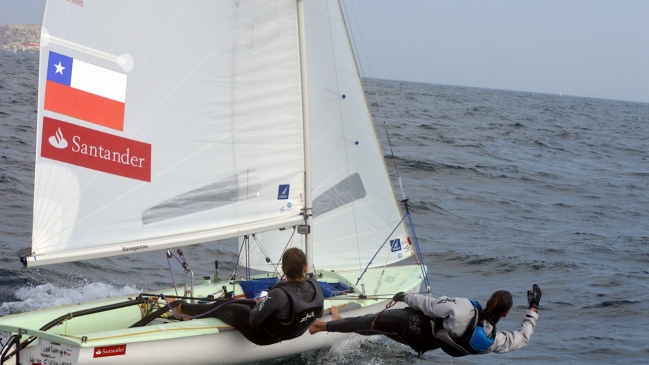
85, 91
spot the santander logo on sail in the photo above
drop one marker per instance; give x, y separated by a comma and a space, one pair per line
57, 140
95, 150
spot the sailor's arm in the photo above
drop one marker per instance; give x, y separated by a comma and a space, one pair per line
432, 307
273, 302
507, 341
420, 302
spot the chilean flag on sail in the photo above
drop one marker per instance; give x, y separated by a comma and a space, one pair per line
85, 91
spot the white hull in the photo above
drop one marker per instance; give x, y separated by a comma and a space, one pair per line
104, 338
227, 347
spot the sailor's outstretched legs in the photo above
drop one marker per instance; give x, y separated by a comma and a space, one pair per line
406, 326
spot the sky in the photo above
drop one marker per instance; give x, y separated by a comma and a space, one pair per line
591, 48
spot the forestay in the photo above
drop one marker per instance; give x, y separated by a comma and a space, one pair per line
165, 123
354, 206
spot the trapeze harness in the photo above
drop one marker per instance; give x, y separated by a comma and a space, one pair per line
304, 313
472, 342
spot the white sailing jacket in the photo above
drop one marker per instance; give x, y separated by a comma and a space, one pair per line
458, 315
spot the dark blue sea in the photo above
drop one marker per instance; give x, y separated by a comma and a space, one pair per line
506, 188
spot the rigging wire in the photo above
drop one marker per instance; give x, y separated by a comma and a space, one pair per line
417, 249
290, 241
181, 260
263, 251
173, 281
236, 267
246, 243
379, 250
424, 274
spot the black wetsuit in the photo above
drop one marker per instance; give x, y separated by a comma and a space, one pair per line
407, 326
254, 320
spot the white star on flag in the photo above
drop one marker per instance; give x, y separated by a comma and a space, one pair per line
59, 68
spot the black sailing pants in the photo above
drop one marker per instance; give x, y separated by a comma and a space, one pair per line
236, 314
407, 326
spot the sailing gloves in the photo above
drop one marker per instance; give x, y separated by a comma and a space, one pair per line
534, 296
399, 296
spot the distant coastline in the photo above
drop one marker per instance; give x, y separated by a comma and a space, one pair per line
20, 37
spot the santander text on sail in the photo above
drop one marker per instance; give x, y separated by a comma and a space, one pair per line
101, 152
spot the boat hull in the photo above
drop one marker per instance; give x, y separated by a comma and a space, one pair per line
105, 338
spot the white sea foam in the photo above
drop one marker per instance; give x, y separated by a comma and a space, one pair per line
49, 295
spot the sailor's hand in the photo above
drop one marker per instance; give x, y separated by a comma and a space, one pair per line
534, 296
399, 296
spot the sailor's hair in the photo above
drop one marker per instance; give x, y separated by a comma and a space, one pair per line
293, 263
500, 303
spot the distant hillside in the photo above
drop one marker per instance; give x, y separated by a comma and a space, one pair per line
19, 35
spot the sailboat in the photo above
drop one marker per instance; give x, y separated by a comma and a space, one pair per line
164, 124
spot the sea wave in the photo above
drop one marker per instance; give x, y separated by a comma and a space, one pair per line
30, 298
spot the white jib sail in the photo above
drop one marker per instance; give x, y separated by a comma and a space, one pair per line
165, 123
354, 206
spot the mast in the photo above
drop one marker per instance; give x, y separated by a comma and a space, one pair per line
308, 199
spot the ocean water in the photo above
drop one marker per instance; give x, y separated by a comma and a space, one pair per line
506, 188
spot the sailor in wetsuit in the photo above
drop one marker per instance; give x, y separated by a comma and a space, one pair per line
286, 312
459, 326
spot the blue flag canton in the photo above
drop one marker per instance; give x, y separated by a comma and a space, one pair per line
283, 191
395, 244
59, 68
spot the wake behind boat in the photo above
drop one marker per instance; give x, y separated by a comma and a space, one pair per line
163, 125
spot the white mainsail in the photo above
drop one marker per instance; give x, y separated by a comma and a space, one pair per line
207, 143
354, 206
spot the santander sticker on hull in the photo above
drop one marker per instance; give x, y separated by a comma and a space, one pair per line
95, 150
104, 351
